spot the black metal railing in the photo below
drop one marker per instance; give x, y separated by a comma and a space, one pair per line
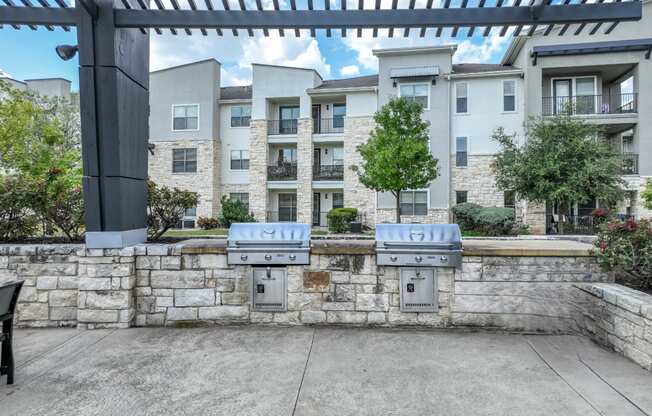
282, 172
288, 126
328, 125
630, 163
328, 172
590, 104
573, 224
283, 215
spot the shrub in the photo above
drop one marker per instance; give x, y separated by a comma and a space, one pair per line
165, 208
466, 215
495, 221
339, 219
625, 247
234, 210
17, 220
206, 223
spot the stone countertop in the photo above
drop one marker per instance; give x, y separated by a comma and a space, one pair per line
484, 247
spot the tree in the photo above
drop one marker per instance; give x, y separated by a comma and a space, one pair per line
166, 208
396, 157
234, 210
646, 195
563, 160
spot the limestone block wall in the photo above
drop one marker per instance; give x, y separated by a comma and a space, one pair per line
49, 295
356, 195
435, 216
258, 169
304, 170
478, 180
619, 318
205, 181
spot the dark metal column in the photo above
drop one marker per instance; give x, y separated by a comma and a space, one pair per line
113, 83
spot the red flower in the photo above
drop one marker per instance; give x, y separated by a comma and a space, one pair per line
630, 225
603, 246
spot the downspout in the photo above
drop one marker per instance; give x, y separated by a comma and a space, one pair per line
448, 152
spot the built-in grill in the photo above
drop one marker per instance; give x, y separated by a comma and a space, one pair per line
418, 250
270, 248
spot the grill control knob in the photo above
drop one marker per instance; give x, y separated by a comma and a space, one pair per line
268, 257
444, 259
292, 257
418, 259
393, 258
244, 258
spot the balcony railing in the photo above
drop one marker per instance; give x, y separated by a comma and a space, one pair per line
282, 172
590, 104
630, 163
328, 125
276, 127
328, 172
283, 215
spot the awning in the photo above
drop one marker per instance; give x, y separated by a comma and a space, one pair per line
413, 72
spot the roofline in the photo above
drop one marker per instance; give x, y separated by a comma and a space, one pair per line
13, 79
187, 64
318, 91
234, 101
290, 67
486, 74
48, 79
513, 50
418, 49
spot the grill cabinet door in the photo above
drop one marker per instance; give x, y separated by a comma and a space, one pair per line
418, 290
269, 289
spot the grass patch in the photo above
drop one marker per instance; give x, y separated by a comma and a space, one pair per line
196, 233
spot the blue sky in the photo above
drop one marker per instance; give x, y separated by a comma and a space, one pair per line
26, 54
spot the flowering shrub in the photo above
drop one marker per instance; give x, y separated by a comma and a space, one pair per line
625, 247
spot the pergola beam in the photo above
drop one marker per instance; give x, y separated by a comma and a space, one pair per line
54, 16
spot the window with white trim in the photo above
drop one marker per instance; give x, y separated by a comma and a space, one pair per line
461, 151
414, 203
338, 156
240, 196
461, 197
338, 200
240, 115
188, 220
184, 160
419, 93
185, 117
461, 98
239, 159
509, 95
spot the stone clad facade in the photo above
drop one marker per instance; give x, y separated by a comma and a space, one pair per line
356, 131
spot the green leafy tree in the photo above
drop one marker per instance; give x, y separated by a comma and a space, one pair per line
396, 157
234, 210
563, 160
646, 195
166, 208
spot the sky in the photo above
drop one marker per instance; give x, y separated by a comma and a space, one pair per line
26, 54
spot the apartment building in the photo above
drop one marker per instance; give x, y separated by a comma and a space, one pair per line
46, 87
285, 144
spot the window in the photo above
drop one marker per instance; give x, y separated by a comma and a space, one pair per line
338, 156
287, 155
339, 111
185, 117
240, 196
461, 197
461, 98
509, 199
461, 151
287, 207
288, 119
416, 92
509, 95
188, 220
414, 202
184, 160
239, 159
240, 116
338, 200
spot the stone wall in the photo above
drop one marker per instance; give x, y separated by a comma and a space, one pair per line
356, 195
435, 216
258, 169
205, 181
619, 318
478, 180
304, 170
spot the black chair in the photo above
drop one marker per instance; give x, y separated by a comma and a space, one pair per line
8, 299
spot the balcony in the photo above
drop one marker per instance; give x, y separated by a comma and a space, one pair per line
590, 104
278, 127
630, 163
328, 125
328, 172
282, 172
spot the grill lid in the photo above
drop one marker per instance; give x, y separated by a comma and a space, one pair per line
268, 234
435, 236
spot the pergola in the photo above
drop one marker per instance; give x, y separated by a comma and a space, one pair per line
113, 42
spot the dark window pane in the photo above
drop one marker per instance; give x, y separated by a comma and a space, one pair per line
245, 121
461, 159
460, 197
461, 105
509, 103
177, 167
191, 166
191, 123
509, 199
420, 209
188, 224
245, 164
235, 122
179, 123
191, 154
235, 164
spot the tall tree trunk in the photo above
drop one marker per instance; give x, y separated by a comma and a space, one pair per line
398, 206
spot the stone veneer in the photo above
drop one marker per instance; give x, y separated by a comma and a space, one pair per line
258, 169
205, 181
304, 170
478, 180
435, 216
356, 195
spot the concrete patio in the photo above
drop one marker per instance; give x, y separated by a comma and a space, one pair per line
318, 371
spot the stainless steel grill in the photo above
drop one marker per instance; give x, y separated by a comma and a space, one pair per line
268, 244
419, 245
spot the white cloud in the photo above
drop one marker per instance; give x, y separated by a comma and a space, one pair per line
4, 74
484, 52
349, 70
